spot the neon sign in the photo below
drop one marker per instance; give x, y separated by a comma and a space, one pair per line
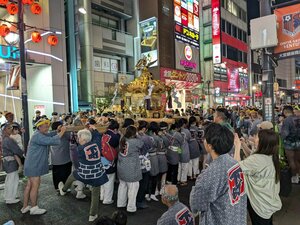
9, 52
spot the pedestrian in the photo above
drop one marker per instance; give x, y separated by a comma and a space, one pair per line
290, 133
11, 150
184, 157
110, 142
16, 135
173, 152
262, 171
145, 164
154, 171
60, 157
37, 164
129, 171
177, 212
194, 147
90, 171
219, 192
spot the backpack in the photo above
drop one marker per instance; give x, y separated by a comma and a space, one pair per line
108, 152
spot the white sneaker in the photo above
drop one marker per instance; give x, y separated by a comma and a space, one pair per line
93, 218
295, 179
37, 211
26, 209
153, 197
147, 197
157, 192
60, 188
80, 195
108, 203
14, 201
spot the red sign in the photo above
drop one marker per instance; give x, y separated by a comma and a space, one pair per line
184, 17
233, 79
166, 73
216, 31
196, 9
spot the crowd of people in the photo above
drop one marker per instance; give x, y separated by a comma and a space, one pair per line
231, 154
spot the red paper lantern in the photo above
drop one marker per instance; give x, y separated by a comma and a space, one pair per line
52, 40
3, 2
12, 9
4, 30
36, 37
36, 8
27, 2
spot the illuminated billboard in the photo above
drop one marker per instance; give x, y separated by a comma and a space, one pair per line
149, 39
216, 31
186, 17
288, 32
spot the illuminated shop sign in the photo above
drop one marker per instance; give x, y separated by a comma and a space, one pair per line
216, 31
186, 16
9, 52
187, 57
171, 74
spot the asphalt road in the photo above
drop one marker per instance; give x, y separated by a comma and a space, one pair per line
65, 210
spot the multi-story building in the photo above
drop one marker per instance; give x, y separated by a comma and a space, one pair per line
103, 45
45, 65
224, 56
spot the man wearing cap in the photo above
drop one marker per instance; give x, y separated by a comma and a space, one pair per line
36, 163
177, 212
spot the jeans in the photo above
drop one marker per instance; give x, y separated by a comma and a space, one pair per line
61, 173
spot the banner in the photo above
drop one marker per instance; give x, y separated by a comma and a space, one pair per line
233, 79
216, 31
166, 73
288, 32
14, 78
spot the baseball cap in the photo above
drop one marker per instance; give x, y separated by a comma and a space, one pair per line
265, 125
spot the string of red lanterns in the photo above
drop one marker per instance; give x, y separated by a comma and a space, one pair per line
36, 9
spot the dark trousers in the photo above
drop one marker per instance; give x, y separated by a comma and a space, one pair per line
143, 187
172, 173
256, 219
152, 185
61, 173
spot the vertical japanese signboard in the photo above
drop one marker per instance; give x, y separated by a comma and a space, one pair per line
216, 31
233, 79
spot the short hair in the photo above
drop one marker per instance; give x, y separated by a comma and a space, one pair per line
85, 135
128, 122
55, 125
113, 125
142, 124
288, 108
119, 217
223, 113
220, 137
172, 198
154, 127
105, 220
54, 114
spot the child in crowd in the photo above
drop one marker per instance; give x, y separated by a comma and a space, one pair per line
18, 138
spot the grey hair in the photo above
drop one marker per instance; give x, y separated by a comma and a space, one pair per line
172, 198
85, 135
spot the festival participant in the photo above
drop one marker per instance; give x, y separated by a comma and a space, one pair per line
173, 152
154, 171
184, 157
144, 162
16, 135
11, 150
110, 140
90, 170
177, 212
194, 148
262, 171
290, 133
60, 157
36, 163
256, 120
128, 169
219, 194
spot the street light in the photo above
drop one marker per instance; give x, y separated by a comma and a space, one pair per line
82, 10
12, 38
259, 82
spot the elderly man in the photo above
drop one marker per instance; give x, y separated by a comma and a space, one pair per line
36, 163
177, 212
90, 170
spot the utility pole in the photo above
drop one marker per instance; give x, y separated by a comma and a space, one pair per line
267, 70
21, 28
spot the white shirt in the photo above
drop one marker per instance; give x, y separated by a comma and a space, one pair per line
2, 120
262, 191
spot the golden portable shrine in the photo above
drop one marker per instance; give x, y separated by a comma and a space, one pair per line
141, 98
